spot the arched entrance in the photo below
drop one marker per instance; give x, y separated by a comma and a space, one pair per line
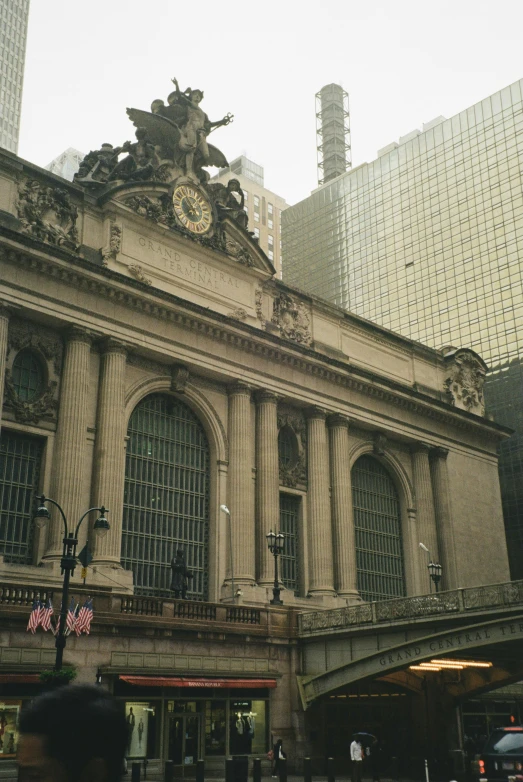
166, 499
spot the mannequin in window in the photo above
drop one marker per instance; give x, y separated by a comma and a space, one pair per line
180, 575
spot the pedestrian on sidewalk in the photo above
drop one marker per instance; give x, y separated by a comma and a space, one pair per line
356, 755
278, 756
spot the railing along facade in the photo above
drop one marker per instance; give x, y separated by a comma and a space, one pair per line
437, 604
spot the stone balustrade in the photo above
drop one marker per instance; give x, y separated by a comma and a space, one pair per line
441, 604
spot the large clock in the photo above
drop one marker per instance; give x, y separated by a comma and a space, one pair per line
192, 208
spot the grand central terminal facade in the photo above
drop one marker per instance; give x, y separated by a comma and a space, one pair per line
153, 364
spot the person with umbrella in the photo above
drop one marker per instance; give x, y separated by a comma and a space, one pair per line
356, 755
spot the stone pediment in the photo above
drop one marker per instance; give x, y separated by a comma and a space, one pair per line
143, 240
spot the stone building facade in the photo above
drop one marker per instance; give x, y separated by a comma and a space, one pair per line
164, 377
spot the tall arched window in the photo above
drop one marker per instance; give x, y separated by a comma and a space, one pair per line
377, 523
166, 501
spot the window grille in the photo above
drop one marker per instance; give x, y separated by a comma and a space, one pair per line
27, 375
287, 449
166, 501
289, 518
377, 523
20, 459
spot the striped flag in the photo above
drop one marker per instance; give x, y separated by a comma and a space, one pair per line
71, 617
83, 623
47, 612
34, 617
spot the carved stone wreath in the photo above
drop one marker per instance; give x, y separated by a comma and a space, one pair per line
294, 474
47, 214
465, 380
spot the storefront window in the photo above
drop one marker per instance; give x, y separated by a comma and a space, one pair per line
9, 711
215, 727
141, 729
248, 727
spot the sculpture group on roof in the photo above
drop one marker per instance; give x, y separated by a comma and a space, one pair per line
171, 142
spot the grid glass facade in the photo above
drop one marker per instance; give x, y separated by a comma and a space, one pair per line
13, 37
166, 499
427, 240
377, 526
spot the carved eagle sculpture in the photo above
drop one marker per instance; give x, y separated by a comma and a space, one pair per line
165, 134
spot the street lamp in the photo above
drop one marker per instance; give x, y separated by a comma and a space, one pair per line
227, 512
68, 561
275, 541
435, 573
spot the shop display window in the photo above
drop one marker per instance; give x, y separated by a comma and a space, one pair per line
247, 727
9, 712
215, 728
141, 729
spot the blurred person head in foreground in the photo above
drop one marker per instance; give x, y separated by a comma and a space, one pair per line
75, 733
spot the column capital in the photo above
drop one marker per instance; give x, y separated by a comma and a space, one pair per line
420, 447
6, 310
316, 413
337, 420
111, 345
239, 388
440, 452
76, 333
264, 395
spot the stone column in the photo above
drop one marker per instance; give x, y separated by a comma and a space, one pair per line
267, 481
321, 574
444, 526
239, 490
71, 439
344, 544
425, 512
5, 314
109, 450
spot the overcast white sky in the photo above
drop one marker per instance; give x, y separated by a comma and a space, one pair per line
403, 62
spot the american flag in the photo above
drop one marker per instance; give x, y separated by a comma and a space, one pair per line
83, 623
45, 618
71, 617
35, 616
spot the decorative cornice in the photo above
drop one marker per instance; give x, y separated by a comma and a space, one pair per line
248, 338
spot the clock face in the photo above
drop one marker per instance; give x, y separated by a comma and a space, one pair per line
192, 209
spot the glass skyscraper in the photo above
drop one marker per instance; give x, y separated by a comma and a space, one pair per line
13, 37
427, 240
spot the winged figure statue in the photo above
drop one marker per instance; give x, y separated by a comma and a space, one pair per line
179, 133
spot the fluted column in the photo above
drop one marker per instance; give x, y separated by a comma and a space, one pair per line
109, 451
267, 480
321, 575
343, 538
239, 493
5, 314
444, 526
425, 511
71, 439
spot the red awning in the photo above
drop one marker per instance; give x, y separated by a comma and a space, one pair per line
192, 681
19, 678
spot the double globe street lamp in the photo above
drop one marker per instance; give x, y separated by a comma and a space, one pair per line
68, 561
275, 542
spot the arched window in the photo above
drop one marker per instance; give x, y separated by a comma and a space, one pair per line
287, 447
377, 523
27, 375
20, 459
166, 502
